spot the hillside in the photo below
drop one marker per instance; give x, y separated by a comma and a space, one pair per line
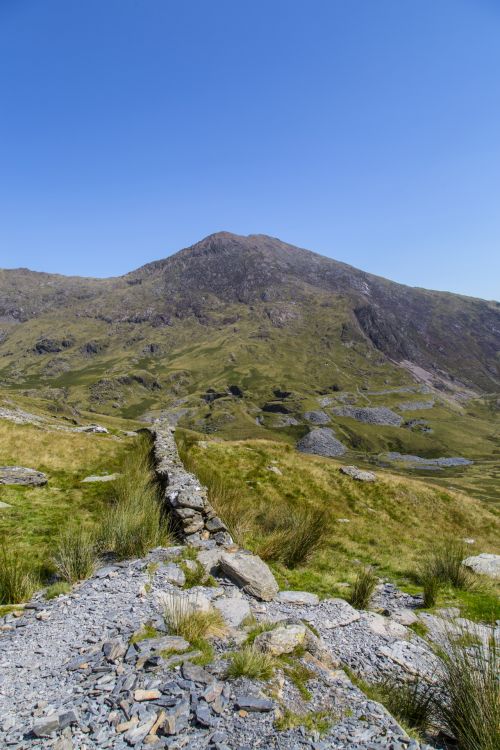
251, 337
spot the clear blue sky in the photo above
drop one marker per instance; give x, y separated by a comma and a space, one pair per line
367, 130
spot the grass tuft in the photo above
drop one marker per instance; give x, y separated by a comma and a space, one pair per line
184, 619
134, 523
57, 589
248, 662
75, 556
313, 721
17, 580
296, 536
470, 703
443, 566
363, 588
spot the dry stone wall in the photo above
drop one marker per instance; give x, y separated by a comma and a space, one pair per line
194, 519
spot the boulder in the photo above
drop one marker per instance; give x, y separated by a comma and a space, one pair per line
250, 573
281, 640
94, 428
359, 474
22, 476
486, 564
321, 442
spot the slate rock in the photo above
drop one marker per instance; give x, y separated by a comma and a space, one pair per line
281, 640
486, 564
233, 610
297, 597
321, 442
358, 474
250, 573
20, 475
251, 703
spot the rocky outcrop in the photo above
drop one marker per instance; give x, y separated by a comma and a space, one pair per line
486, 564
370, 415
186, 499
417, 462
251, 573
321, 442
22, 476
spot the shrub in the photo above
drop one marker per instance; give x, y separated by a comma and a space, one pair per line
443, 565
184, 619
470, 702
17, 580
363, 588
248, 662
75, 557
134, 523
57, 589
298, 533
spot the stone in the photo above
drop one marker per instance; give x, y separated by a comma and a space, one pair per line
114, 650
384, 626
321, 442
5, 505
215, 524
251, 703
93, 428
358, 474
188, 601
281, 640
187, 499
176, 718
404, 617
297, 597
233, 610
370, 415
340, 614
196, 673
137, 734
174, 574
317, 417
210, 559
250, 573
20, 475
485, 564
46, 727
146, 695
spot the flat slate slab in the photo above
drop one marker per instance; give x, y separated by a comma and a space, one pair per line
103, 478
20, 475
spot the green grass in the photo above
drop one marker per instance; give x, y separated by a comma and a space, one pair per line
146, 632
389, 525
75, 557
57, 589
313, 721
17, 580
251, 663
363, 588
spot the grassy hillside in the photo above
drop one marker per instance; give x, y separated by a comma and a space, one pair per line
260, 485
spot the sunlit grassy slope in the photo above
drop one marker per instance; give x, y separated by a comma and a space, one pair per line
390, 523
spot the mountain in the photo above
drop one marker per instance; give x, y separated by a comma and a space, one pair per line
246, 335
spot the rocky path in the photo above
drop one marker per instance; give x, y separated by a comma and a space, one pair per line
69, 677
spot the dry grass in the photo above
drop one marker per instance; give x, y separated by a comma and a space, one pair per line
134, 523
184, 618
17, 580
363, 588
75, 557
248, 662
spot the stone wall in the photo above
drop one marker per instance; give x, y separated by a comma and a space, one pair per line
194, 519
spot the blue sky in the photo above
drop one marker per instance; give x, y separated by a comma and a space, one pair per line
367, 131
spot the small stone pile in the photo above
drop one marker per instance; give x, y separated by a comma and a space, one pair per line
186, 499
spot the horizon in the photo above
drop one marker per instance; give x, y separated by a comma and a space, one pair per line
234, 234
368, 135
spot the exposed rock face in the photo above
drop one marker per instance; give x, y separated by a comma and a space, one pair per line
321, 442
297, 597
359, 474
22, 476
317, 417
370, 415
487, 564
251, 573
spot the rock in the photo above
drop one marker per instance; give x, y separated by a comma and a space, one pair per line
251, 703
233, 610
196, 673
359, 474
340, 614
187, 499
404, 617
321, 442
297, 597
486, 564
187, 601
146, 695
210, 559
251, 573
370, 415
137, 734
174, 574
5, 505
383, 625
114, 650
46, 726
317, 417
20, 475
177, 718
93, 428
281, 640
101, 478
215, 524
